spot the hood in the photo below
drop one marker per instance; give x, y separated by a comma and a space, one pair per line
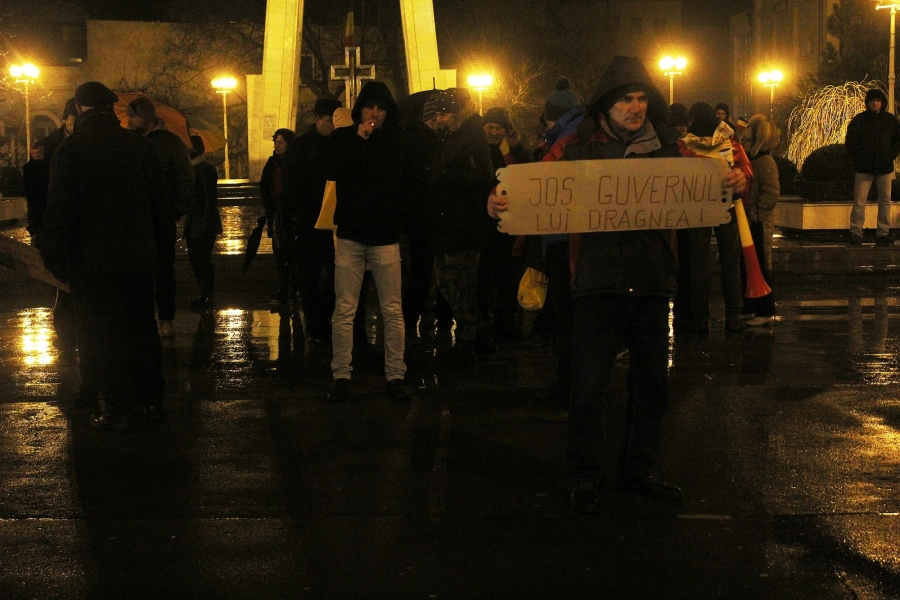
761, 136
877, 94
627, 73
377, 89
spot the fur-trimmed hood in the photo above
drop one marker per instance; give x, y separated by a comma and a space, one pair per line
761, 136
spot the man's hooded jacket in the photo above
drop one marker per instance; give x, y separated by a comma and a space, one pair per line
373, 176
873, 139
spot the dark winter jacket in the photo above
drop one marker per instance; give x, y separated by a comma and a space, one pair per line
873, 139
303, 177
179, 175
633, 263
36, 178
373, 176
460, 177
271, 189
107, 205
203, 220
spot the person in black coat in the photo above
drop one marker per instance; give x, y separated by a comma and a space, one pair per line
203, 224
36, 177
105, 225
873, 142
460, 176
271, 188
304, 188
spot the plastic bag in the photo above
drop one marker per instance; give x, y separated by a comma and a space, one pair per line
532, 290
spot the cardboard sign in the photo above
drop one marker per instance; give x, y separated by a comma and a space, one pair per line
26, 260
613, 195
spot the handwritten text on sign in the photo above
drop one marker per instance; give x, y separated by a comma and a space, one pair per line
613, 195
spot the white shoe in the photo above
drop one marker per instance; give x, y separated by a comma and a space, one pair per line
760, 321
166, 329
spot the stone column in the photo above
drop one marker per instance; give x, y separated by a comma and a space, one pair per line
272, 96
422, 63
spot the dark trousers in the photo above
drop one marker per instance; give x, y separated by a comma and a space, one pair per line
122, 343
419, 277
559, 299
498, 285
200, 252
314, 258
165, 278
729, 245
64, 323
681, 308
602, 325
765, 306
284, 267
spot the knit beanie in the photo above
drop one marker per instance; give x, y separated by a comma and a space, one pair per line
94, 93
452, 100
561, 100
326, 106
609, 100
499, 117
428, 109
142, 107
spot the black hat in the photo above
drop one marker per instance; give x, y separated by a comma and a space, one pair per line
561, 100
197, 146
70, 109
141, 107
94, 93
452, 100
499, 116
326, 107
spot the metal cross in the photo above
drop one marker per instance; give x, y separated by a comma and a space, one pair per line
352, 73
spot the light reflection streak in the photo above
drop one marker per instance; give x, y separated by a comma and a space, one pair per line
35, 341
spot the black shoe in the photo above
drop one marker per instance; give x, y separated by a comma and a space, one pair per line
584, 497
856, 240
397, 390
339, 391
652, 486
155, 413
201, 302
108, 422
885, 240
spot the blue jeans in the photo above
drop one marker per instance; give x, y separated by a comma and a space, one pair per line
862, 183
602, 325
349, 268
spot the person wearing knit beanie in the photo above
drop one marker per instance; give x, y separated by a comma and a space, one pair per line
560, 101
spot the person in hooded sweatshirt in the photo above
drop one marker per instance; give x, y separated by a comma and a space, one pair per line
622, 284
873, 142
371, 164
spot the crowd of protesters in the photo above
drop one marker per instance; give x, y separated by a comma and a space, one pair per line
340, 198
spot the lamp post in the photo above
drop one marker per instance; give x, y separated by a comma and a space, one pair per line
481, 83
893, 7
224, 85
672, 67
771, 79
25, 74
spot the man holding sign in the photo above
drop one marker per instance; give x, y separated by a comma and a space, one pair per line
624, 274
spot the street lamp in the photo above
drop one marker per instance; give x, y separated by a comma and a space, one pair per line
771, 79
893, 7
672, 67
224, 85
25, 74
481, 83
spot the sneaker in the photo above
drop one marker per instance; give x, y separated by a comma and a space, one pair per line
166, 329
397, 390
340, 390
761, 321
856, 240
108, 422
885, 240
584, 497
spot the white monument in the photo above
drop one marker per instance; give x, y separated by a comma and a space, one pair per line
272, 96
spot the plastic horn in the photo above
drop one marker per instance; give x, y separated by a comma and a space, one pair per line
756, 283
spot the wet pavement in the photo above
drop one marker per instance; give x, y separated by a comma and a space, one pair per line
785, 440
